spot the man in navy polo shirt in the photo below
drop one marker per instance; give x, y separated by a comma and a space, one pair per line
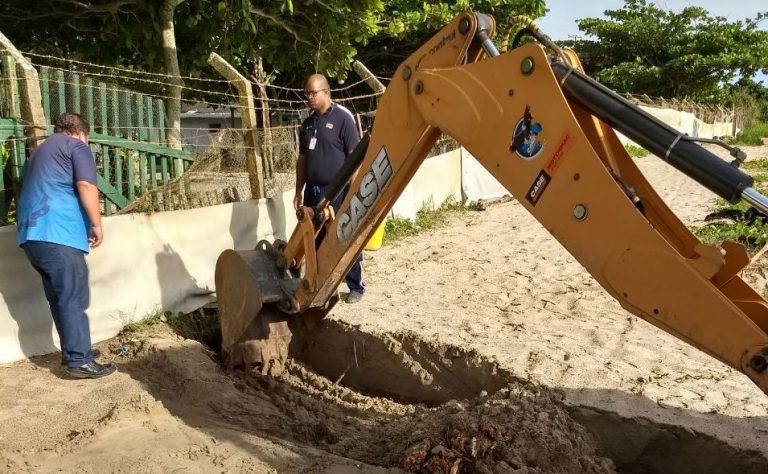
328, 136
58, 223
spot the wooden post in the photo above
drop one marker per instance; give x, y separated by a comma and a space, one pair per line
369, 78
248, 116
31, 98
12, 86
267, 149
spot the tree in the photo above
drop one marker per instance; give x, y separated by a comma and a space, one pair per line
321, 36
407, 24
170, 36
644, 49
292, 38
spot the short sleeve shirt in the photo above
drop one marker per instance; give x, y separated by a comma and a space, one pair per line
325, 142
49, 209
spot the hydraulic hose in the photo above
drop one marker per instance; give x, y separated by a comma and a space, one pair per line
649, 132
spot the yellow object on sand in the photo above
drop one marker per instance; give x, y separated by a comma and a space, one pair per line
377, 238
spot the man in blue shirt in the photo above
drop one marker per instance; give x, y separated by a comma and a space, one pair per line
59, 221
327, 137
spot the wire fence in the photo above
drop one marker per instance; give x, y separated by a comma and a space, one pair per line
131, 104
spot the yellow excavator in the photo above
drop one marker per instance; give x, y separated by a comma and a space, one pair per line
547, 132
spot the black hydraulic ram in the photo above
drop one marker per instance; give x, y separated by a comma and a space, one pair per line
342, 177
708, 169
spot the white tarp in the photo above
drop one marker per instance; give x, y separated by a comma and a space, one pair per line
437, 179
477, 182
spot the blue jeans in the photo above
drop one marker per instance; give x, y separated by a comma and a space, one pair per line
354, 279
65, 282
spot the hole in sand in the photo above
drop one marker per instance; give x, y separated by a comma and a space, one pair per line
449, 405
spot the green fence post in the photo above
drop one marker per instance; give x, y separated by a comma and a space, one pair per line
103, 115
142, 137
150, 116
105, 170
61, 91
130, 157
89, 112
116, 132
3, 204
19, 154
74, 92
160, 107
126, 110
115, 113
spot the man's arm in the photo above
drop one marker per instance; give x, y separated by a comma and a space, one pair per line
300, 182
84, 171
89, 198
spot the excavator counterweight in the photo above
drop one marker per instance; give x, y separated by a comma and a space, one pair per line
547, 132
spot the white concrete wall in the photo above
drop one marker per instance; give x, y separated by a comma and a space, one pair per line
147, 262
167, 260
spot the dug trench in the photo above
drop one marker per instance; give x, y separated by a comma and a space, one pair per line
397, 401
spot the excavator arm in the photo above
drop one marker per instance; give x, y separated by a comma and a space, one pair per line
546, 132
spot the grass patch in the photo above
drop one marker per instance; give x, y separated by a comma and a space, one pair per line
752, 135
427, 218
753, 236
196, 325
721, 204
636, 151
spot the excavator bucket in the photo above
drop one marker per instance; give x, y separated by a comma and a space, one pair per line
254, 332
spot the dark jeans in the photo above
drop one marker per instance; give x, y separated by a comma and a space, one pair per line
354, 279
65, 281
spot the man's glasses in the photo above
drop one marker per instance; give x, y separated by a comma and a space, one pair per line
310, 94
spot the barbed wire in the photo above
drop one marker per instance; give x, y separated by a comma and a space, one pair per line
234, 98
117, 68
155, 74
146, 81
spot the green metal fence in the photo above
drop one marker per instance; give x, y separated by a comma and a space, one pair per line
127, 134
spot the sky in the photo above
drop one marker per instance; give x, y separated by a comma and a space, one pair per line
560, 22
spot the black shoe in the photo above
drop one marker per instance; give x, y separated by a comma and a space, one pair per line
91, 370
65, 361
354, 297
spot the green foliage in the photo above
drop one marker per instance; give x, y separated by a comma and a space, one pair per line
753, 236
636, 151
292, 37
752, 135
427, 218
749, 97
407, 24
644, 49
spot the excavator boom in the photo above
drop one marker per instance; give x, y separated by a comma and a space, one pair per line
546, 132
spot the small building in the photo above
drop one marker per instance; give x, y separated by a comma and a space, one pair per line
200, 122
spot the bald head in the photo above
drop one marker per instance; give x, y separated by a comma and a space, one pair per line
318, 93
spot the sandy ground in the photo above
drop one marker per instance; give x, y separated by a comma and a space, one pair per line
465, 330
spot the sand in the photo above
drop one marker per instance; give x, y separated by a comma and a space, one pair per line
489, 349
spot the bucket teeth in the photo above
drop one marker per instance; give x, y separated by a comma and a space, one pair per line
264, 346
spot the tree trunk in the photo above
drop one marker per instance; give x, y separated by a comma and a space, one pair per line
171, 60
